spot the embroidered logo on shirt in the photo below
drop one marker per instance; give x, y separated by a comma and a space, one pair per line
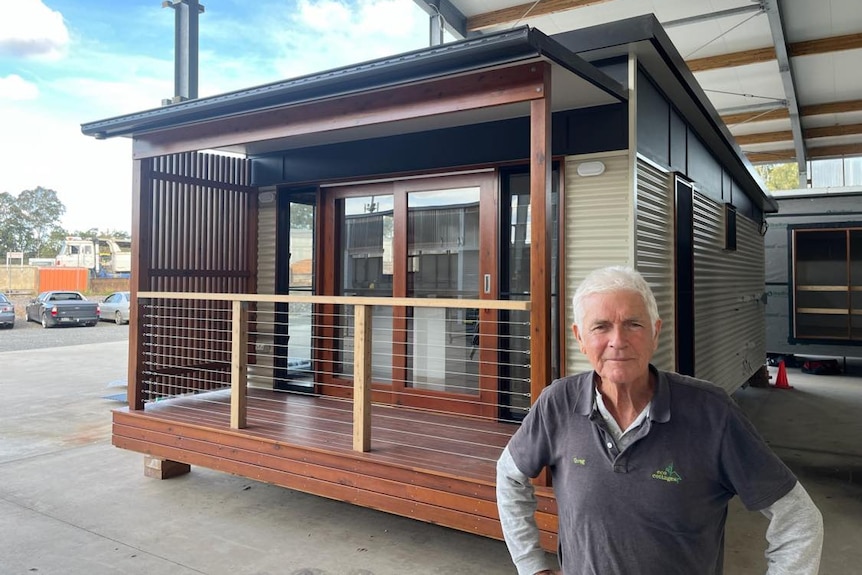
667, 474
579, 460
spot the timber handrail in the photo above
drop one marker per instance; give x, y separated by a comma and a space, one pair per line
345, 300
362, 341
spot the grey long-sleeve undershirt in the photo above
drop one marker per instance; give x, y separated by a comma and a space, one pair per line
794, 535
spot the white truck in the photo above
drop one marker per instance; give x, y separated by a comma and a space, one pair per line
104, 257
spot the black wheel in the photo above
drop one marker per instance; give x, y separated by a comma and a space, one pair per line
92, 324
46, 323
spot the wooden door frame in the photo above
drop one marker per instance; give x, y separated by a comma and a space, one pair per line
397, 392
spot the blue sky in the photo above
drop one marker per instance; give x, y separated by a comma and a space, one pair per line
66, 62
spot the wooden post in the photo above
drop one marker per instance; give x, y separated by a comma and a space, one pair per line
362, 378
540, 248
239, 365
142, 231
540, 236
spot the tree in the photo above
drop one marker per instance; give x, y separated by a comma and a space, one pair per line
13, 227
42, 210
779, 176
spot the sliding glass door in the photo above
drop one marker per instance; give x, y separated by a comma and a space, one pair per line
419, 239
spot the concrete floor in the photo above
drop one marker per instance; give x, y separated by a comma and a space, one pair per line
72, 504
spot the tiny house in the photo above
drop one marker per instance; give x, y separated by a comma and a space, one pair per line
355, 283
814, 274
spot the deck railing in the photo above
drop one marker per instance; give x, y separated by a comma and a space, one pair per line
447, 356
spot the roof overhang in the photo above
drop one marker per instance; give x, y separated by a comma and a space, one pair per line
574, 82
644, 37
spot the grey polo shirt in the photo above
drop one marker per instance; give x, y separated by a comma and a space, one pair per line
658, 506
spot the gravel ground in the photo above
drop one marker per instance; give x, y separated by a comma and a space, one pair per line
30, 335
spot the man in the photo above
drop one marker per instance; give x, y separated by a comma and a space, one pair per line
644, 462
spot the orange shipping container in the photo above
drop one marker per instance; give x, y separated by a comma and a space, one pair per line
72, 279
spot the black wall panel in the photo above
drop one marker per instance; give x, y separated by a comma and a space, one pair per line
743, 204
600, 129
678, 143
703, 168
616, 68
653, 122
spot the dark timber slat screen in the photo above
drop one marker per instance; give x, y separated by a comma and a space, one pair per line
200, 233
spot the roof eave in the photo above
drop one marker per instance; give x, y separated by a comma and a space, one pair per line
459, 57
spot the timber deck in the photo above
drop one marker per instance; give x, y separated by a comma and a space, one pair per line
429, 466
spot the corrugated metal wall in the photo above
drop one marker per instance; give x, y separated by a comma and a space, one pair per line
260, 374
655, 251
730, 339
598, 230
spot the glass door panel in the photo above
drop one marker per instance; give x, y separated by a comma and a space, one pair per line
515, 247
292, 326
443, 262
301, 282
367, 236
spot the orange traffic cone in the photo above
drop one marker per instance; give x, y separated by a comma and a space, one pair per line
781, 378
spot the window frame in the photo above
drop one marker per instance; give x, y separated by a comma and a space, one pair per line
794, 233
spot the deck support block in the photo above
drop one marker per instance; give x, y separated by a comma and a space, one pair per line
159, 468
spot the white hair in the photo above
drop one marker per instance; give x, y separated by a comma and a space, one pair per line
614, 279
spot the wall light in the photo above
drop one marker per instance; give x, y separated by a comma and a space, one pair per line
266, 197
588, 169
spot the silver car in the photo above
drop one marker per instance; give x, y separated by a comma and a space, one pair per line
115, 307
7, 312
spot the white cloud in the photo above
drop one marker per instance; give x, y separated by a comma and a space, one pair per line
41, 143
14, 87
324, 15
32, 29
325, 34
92, 178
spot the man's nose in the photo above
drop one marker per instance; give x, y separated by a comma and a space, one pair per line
617, 337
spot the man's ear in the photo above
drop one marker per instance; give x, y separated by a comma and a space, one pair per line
657, 331
578, 336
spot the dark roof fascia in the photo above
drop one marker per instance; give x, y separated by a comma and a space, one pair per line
566, 58
648, 28
463, 56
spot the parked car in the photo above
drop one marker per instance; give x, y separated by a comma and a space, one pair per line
7, 312
115, 307
62, 308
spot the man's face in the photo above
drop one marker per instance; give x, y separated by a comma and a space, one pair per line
616, 336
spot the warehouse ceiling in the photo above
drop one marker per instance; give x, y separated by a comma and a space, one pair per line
785, 75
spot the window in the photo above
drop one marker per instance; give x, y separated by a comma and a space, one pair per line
729, 227
827, 291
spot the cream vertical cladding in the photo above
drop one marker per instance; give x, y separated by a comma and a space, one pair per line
260, 373
656, 253
729, 314
597, 230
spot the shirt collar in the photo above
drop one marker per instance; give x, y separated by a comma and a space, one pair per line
659, 407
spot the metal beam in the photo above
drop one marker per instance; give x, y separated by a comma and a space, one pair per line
753, 108
185, 48
447, 17
714, 15
776, 26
